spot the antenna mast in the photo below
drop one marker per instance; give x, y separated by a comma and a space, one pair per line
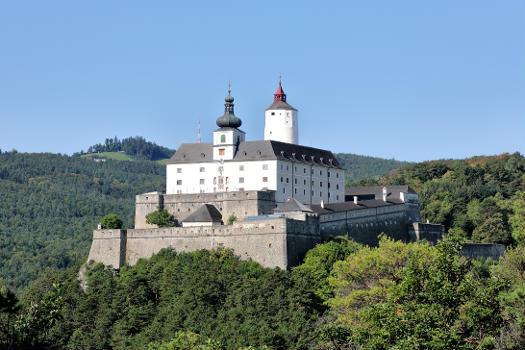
199, 140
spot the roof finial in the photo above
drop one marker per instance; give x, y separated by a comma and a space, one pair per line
229, 88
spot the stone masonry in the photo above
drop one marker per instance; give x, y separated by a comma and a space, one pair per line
272, 242
239, 203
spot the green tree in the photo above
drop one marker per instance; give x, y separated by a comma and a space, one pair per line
492, 230
161, 218
517, 219
187, 341
111, 221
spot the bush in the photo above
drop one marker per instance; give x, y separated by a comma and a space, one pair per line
232, 219
161, 218
111, 221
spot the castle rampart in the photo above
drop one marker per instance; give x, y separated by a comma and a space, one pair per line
271, 242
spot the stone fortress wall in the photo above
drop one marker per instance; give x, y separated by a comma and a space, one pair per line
238, 203
272, 241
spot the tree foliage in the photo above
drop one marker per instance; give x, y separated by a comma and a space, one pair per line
51, 203
137, 147
482, 197
161, 218
111, 221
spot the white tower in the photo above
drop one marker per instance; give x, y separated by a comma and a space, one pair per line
281, 119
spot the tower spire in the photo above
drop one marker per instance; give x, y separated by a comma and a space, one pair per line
279, 94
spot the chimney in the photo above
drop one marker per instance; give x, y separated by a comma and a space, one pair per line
355, 199
384, 194
322, 203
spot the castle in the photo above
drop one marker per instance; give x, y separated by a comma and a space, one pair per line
285, 198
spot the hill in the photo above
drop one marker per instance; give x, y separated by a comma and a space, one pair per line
134, 147
362, 167
51, 203
481, 198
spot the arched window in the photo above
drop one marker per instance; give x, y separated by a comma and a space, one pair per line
223, 138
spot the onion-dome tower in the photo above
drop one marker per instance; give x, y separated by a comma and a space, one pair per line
228, 119
227, 138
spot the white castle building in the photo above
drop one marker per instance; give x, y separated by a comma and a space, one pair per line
278, 163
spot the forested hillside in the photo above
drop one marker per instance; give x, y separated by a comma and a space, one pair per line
136, 147
479, 198
51, 203
344, 296
361, 167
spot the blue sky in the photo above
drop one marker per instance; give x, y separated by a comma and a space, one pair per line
410, 80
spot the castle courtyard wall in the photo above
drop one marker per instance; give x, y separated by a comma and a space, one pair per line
364, 225
239, 203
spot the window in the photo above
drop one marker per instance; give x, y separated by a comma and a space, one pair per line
179, 182
304, 192
295, 181
328, 194
226, 189
201, 181
221, 151
273, 113
241, 167
336, 186
320, 172
295, 190
312, 182
265, 166
320, 184
226, 179
179, 170
215, 181
320, 194
337, 197
304, 170
284, 189
287, 180
312, 193
287, 168
201, 169
265, 179
223, 138
241, 188
281, 167
295, 168
241, 180
329, 185
337, 175
312, 171
328, 173
215, 189
281, 179
304, 182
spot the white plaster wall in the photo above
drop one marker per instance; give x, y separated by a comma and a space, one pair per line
229, 143
301, 179
252, 173
281, 126
308, 184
